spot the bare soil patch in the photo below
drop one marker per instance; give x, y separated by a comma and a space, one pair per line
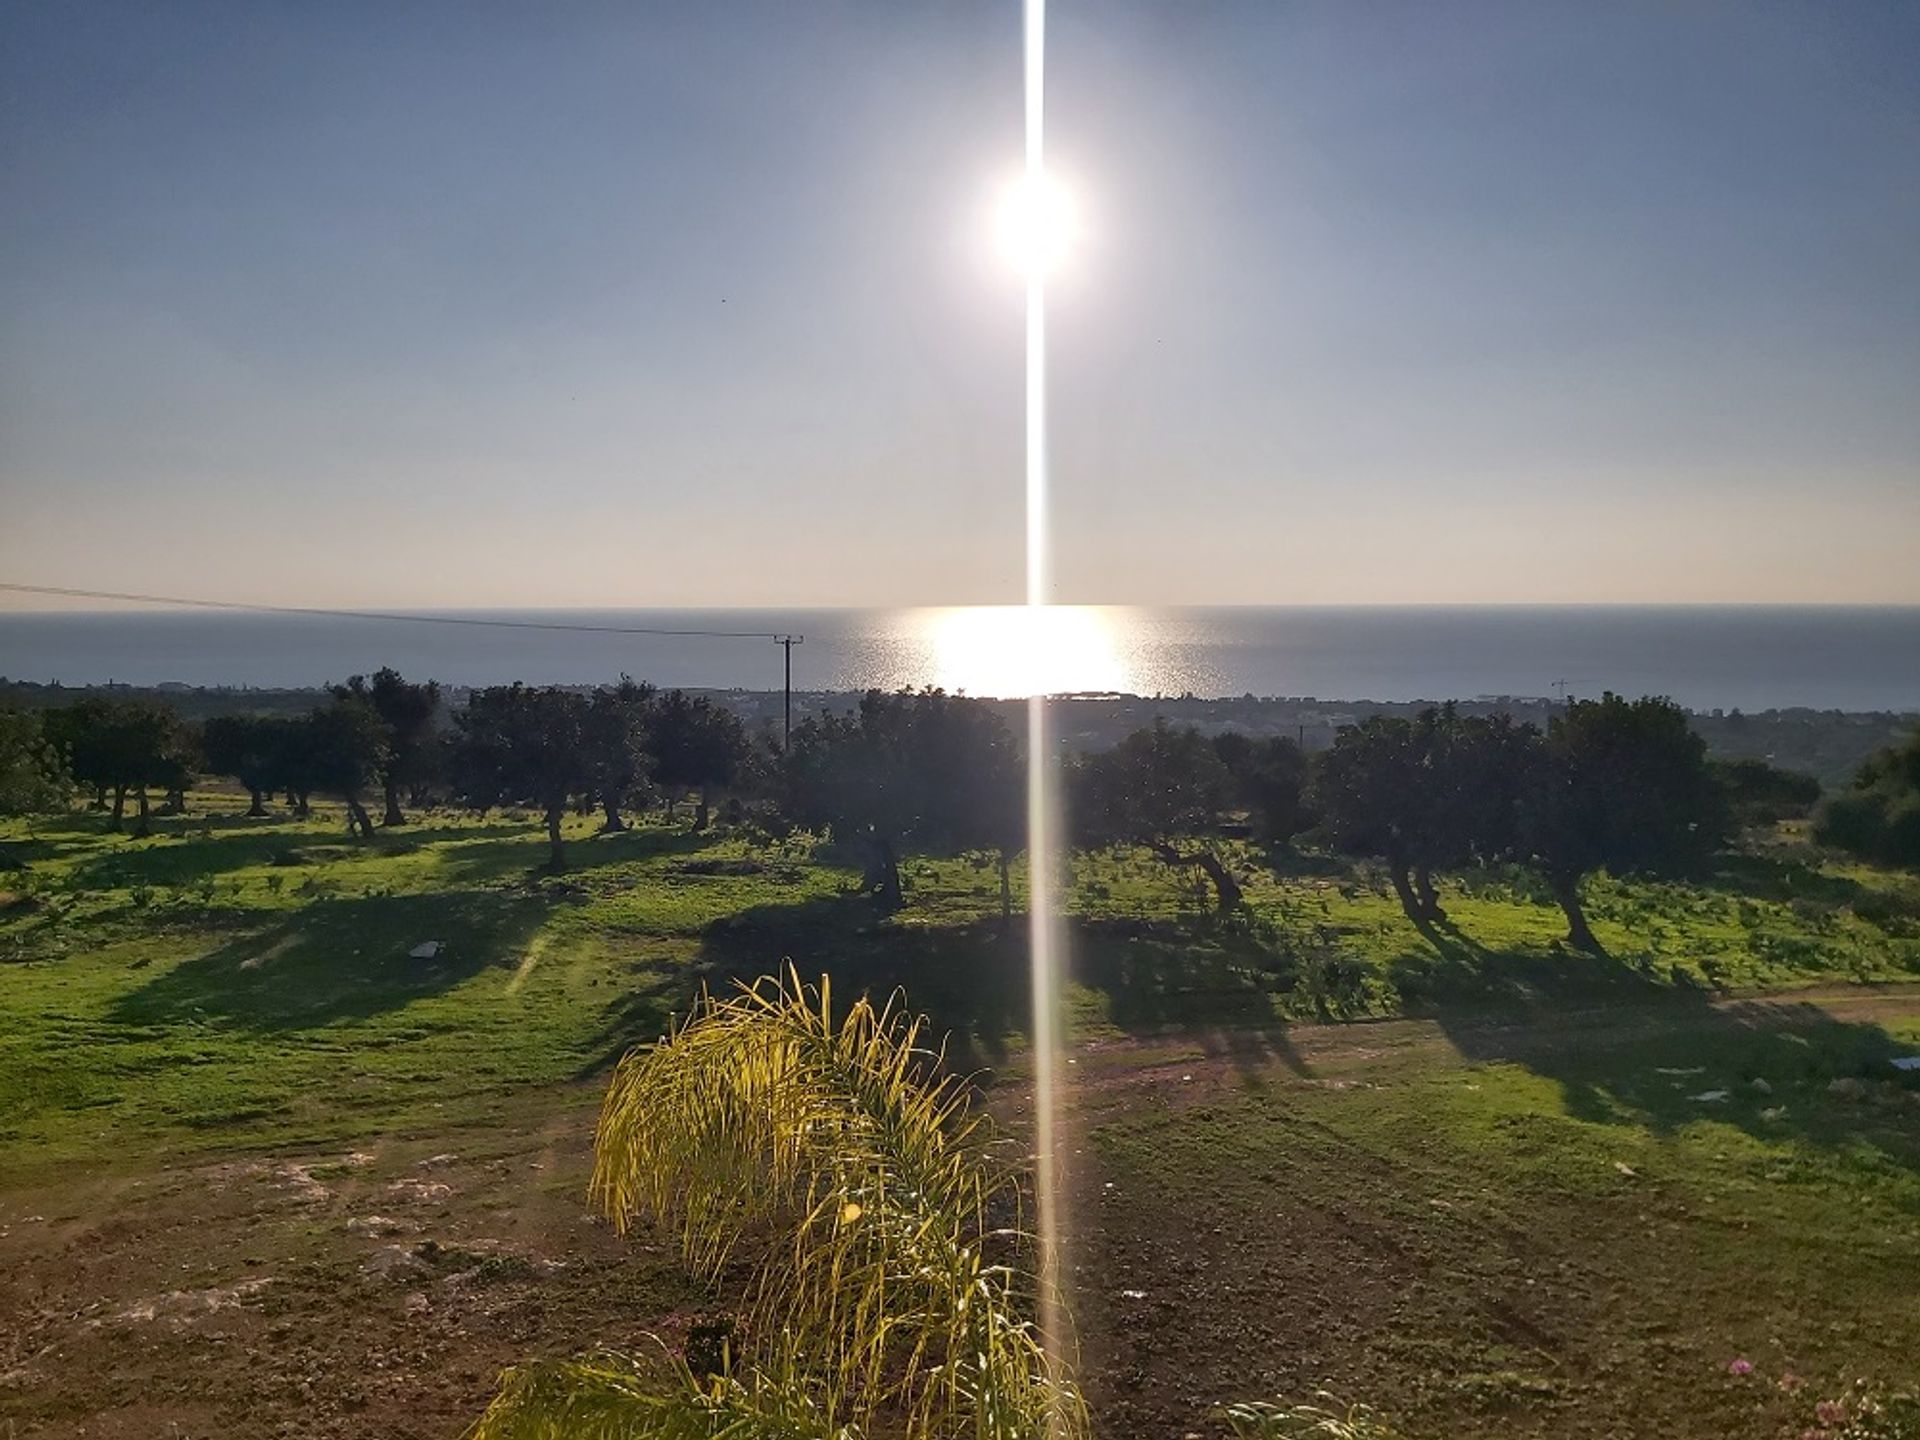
1250, 1216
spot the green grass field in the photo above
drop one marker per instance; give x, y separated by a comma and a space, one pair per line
1489, 1200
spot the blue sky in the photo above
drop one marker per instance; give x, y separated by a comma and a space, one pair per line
584, 304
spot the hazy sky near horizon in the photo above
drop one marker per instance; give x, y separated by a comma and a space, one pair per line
618, 304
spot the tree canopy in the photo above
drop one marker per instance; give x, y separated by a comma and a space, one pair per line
919, 769
407, 710
118, 747
251, 749
1623, 786
344, 748
1614, 785
695, 745
1267, 778
33, 776
616, 740
1157, 788
523, 745
1878, 816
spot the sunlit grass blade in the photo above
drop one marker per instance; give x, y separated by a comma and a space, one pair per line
609, 1397
764, 1115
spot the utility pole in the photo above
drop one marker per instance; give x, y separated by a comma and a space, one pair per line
786, 643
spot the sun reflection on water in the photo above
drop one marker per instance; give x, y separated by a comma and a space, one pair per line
1008, 651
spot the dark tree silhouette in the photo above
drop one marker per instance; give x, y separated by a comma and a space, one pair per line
1473, 771
520, 745
919, 770
1438, 791
342, 749
1622, 786
1158, 788
1761, 794
176, 773
249, 749
617, 725
1878, 817
33, 777
408, 710
695, 745
296, 761
1371, 793
1268, 779
119, 747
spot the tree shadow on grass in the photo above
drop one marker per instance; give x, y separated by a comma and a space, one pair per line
1287, 862
17, 855
973, 981
969, 980
1750, 875
526, 852
190, 856
1631, 1046
98, 824
1213, 981
1455, 971
339, 960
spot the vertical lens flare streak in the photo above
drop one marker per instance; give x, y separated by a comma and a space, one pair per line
1044, 933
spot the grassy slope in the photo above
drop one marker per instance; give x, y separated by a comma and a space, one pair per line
1489, 1230
1438, 1222
231, 980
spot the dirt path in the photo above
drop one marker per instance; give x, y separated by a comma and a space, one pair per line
1146, 1058
368, 1292
378, 1291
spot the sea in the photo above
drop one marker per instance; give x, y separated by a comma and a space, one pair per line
1707, 657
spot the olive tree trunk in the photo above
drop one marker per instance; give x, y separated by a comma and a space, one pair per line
1566, 890
883, 876
1226, 889
1429, 898
1403, 888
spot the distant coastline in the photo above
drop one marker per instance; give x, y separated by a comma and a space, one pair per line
1752, 658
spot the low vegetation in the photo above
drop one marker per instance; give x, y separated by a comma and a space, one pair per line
1878, 816
1546, 1189
864, 1195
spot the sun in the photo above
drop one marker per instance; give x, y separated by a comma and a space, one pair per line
1037, 225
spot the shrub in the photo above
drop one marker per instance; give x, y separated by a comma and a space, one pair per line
869, 1209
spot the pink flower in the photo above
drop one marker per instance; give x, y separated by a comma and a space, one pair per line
1791, 1382
1742, 1366
1830, 1412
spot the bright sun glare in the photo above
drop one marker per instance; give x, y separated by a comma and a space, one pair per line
1037, 224
1012, 650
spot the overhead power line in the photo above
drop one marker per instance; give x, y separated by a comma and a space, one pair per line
68, 592
786, 640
